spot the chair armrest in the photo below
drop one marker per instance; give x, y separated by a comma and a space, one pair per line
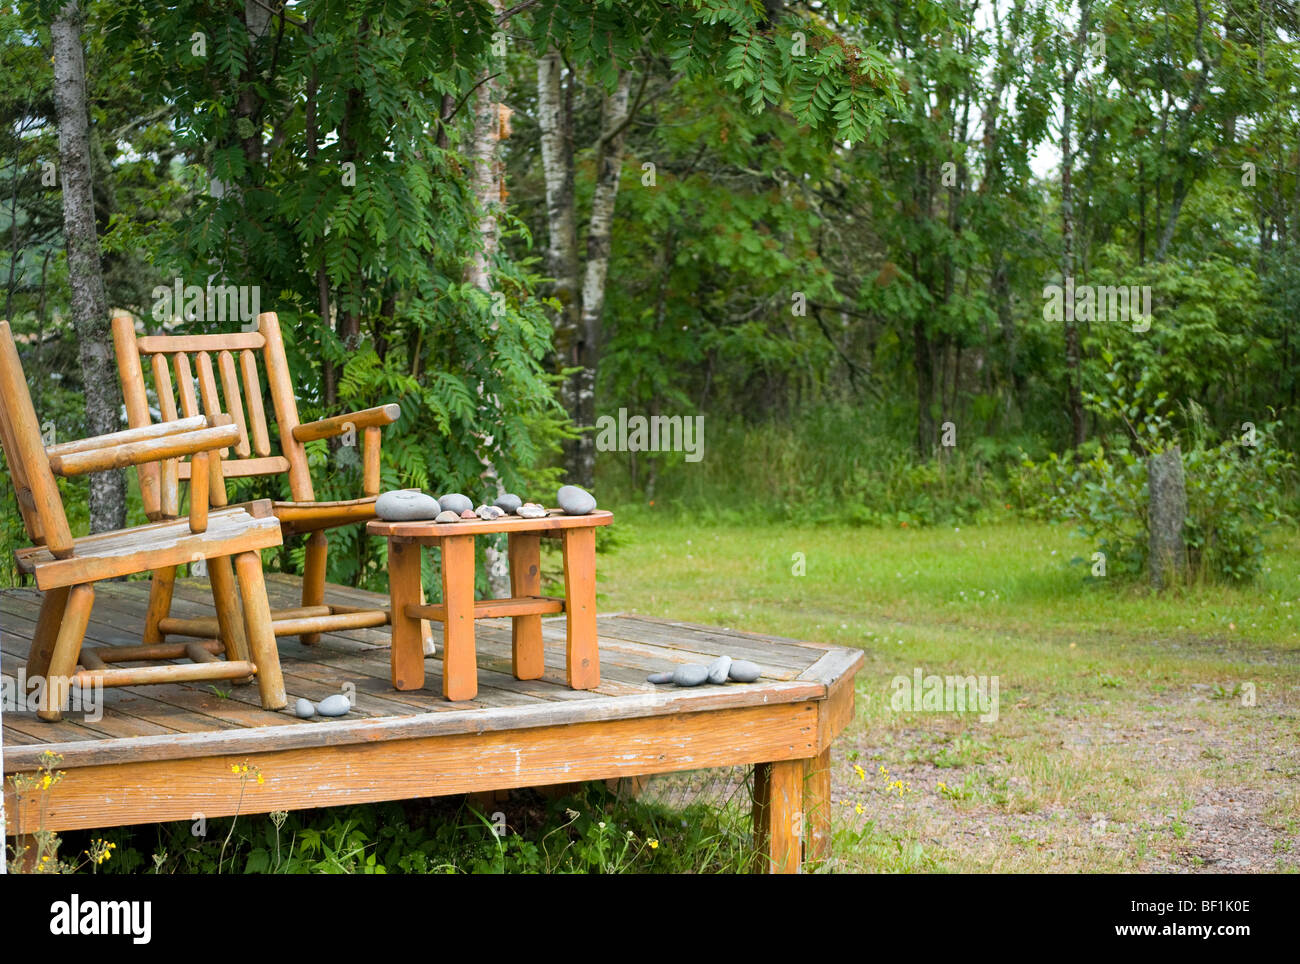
147, 450
328, 427
156, 430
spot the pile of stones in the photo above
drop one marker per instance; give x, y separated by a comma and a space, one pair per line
411, 505
719, 671
336, 705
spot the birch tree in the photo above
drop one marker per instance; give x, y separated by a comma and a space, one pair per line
491, 126
582, 302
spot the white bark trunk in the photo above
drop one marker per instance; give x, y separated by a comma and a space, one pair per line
599, 233
490, 126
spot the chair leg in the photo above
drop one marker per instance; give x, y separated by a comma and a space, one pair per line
261, 634
53, 605
313, 579
67, 647
229, 624
160, 603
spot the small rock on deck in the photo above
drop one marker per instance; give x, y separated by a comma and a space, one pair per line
164, 752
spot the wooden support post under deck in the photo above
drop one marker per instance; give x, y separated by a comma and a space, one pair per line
527, 654
778, 815
30, 849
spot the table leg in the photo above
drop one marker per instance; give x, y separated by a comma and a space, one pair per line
583, 657
406, 654
817, 806
525, 552
778, 816
459, 669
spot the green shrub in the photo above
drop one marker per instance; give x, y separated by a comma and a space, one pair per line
1235, 487
591, 831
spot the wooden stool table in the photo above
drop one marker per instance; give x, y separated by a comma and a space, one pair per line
526, 606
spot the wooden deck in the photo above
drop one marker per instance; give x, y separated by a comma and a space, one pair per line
165, 752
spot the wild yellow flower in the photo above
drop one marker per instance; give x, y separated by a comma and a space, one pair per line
883, 771
862, 774
653, 843
859, 809
259, 778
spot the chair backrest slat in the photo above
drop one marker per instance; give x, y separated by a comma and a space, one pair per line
208, 390
185, 384
256, 411
169, 476
45, 519
234, 406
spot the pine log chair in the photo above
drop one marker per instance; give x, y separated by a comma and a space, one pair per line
66, 568
230, 360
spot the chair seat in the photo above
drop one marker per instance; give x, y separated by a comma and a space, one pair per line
298, 517
126, 552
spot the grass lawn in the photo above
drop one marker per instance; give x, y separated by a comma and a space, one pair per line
1125, 738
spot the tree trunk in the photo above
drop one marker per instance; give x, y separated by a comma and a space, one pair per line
491, 126
1165, 515
89, 301
923, 359
313, 149
608, 169
554, 118
1073, 375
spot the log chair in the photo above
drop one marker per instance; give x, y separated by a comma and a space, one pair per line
66, 568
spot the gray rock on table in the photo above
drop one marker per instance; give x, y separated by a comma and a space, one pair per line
446, 515
303, 709
489, 512
336, 705
718, 669
531, 510
406, 505
660, 677
456, 502
692, 674
509, 503
575, 501
743, 671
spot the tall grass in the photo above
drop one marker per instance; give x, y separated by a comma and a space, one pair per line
837, 461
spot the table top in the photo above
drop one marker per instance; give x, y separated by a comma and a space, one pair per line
428, 529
